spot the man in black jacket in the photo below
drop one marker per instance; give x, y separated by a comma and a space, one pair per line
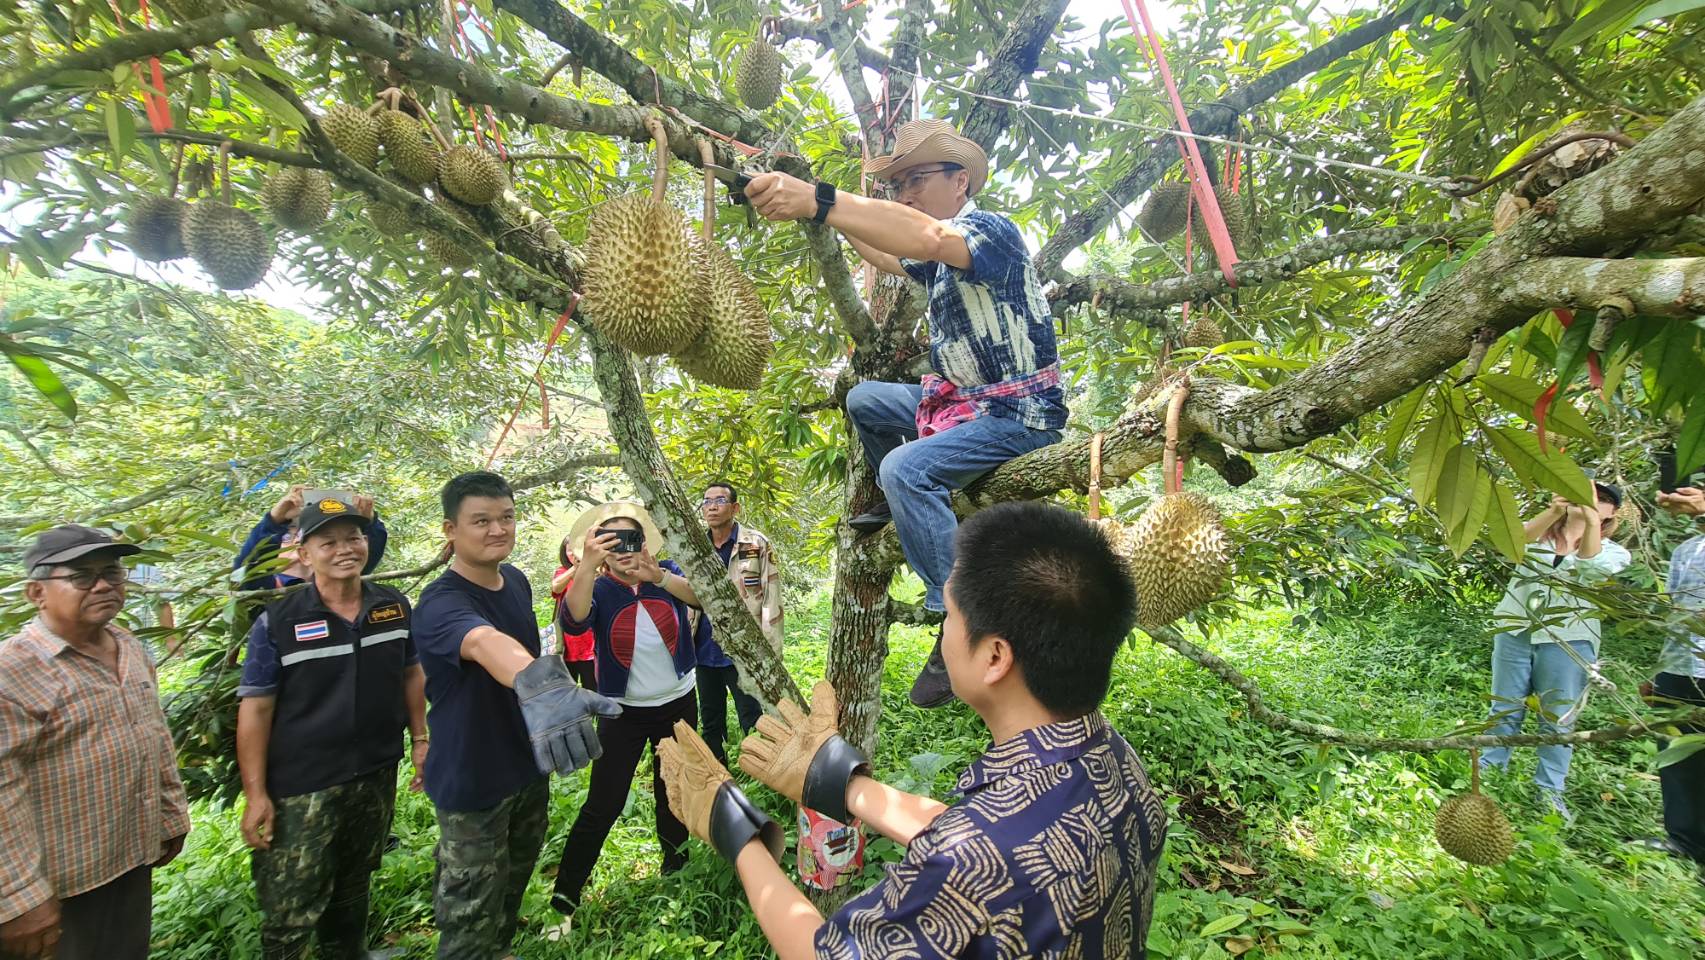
330, 682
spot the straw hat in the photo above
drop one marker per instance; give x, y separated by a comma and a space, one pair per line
631, 509
931, 141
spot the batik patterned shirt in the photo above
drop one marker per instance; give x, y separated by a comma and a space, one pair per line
1050, 852
1684, 648
990, 324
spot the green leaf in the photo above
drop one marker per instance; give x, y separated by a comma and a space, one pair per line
1518, 396
1572, 349
276, 107
121, 130
1665, 8
40, 376
1690, 443
1504, 523
1549, 469
1673, 362
1464, 493
1681, 748
1229, 922
1402, 419
1427, 460
1601, 18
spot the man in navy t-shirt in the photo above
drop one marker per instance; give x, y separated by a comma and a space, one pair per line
501, 718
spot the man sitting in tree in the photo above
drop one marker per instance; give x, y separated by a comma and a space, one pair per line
1052, 847
993, 392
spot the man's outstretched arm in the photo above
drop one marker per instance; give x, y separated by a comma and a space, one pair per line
886, 227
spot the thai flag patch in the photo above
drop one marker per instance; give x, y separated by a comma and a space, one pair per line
307, 632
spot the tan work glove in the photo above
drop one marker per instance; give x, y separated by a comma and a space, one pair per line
704, 798
801, 756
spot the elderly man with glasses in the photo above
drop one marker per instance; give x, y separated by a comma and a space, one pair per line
90, 799
993, 391
751, 563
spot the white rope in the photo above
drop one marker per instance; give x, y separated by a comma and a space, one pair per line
1151, 128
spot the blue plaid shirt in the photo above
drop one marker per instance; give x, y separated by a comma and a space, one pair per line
990, 323
1051, 852
1684, 648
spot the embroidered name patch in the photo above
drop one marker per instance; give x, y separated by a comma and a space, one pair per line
748, 551
317, 630
390, 611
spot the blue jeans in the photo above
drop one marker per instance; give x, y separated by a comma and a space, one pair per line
1520, 668
918, 476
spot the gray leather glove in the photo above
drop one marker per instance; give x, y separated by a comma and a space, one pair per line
559, 716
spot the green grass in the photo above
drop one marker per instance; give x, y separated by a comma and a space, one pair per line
1274, 843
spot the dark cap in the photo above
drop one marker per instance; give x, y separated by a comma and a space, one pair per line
318, 513
68, 542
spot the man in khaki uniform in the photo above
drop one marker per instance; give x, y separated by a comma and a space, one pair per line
752, 567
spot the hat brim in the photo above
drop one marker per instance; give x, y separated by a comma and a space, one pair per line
935, 148
610, 511
85, 549
302, 533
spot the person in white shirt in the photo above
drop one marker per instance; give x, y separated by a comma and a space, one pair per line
1549, 632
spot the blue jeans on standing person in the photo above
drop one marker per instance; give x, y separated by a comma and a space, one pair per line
1547, 670
918, 476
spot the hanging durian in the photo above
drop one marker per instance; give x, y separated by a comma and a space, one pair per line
1471, 827
1167, 210
642, 285
155, 228
734, 347
1179, 555
411, 149
447, 251
299, 198
1236, 214
354, 132
230, 244
390, 220
1203, 332
757, 77
472, 175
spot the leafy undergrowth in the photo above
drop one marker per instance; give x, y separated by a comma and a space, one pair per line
1277, 847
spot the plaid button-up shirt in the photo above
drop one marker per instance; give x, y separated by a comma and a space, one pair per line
89, 786
991, 334
1051, 853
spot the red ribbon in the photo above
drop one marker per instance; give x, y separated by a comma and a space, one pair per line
1595, 376
538, 378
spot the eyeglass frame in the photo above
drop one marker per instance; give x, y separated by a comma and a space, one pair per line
105, 574
715, 502
915, 179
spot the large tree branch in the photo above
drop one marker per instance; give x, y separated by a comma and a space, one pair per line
1013, 60
566, 469
643, 82
1117, 293
1213, 119
1667, 288
816, 30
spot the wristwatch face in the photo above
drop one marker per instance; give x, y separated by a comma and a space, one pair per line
826, 193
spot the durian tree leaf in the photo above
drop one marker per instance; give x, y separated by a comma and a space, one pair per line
1402, 419
1572, 349
1673, 367
1690, 442
1427, 460
121, 130
1540, 136
1464, 492
1663, 9
1550, 469
275, 106
40, 376
1504, 523
1519, 395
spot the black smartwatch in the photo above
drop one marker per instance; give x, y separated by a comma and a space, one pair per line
825, 200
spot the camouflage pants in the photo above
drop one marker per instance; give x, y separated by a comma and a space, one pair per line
314, 878
485, 860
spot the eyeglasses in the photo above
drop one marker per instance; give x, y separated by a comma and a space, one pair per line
715, 502
85, 579
917, 178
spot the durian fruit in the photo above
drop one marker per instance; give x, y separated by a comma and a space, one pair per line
472, 175
1179, 554
389, 220
1164, 215
353, 131
299, 198
1236, 216
155, 226
642, 283
1203, 332
1471, 827
757, 77
230, 244
447, 251
734, 347
1147, 389
412, 151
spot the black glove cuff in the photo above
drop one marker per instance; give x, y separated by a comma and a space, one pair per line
832, 768
734, 821
539, 676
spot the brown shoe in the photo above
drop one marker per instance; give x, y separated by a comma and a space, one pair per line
933, 688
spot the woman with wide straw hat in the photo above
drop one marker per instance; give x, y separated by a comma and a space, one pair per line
637, 610
993, 392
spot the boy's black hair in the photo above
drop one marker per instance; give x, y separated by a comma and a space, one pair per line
1608, 493
1047, 581
733, 494
477, 483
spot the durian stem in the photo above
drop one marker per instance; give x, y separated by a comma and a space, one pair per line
1095, 476
177, 170
707, 155
1474, 769
1169, 455
225, 171
660, 176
